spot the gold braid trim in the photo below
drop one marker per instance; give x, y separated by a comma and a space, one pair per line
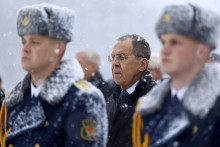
3, 121
137, 128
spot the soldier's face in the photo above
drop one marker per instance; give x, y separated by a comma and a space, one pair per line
38, 53
179, 54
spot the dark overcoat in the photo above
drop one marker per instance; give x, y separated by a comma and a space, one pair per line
105, 86
120, 112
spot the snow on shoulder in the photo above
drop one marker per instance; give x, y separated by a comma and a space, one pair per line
87, 87
91, 98
199, 98
54, 87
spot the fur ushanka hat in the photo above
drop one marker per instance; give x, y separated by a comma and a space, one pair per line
192, 21
47, 20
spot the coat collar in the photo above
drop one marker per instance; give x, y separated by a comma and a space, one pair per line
199, 98
54, 87
145, 82
96, 79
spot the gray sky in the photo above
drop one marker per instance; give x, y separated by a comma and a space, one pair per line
98, 24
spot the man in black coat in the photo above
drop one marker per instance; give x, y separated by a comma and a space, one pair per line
105, 86
129, 69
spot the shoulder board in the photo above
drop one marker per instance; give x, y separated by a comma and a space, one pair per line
7, 93
83, 85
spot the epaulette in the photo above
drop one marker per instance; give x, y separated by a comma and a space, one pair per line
7, 93
83, 85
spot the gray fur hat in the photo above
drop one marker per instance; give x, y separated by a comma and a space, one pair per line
192, 21
215, 57
47, 20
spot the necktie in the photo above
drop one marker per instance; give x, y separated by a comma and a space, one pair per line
175, 100
124, 93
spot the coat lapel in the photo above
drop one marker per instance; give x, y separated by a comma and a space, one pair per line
26, 117
176, 122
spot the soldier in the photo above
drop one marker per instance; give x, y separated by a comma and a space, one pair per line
52, 106
183, 110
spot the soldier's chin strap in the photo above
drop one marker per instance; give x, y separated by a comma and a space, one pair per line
3, 125
137, 128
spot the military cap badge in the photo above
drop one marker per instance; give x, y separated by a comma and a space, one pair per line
166, 17
25, 21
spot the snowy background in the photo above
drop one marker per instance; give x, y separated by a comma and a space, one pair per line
97, 26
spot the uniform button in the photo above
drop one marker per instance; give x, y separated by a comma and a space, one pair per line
46, 124
10, 145
195, 129
37, 145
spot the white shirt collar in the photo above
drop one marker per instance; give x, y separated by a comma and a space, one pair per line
180, 93
132, 88
35, 91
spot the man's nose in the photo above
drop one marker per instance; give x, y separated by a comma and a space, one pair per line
26, 48
115, 61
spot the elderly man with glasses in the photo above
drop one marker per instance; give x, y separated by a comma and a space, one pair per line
129, 60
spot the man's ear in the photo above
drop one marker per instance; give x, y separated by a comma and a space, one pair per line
94, 66
143, 64
203, 51
59, 51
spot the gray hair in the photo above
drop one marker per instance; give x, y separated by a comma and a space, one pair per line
92, 56
155, 61
141, 47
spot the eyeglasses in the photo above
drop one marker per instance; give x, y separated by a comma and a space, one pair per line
120, 57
